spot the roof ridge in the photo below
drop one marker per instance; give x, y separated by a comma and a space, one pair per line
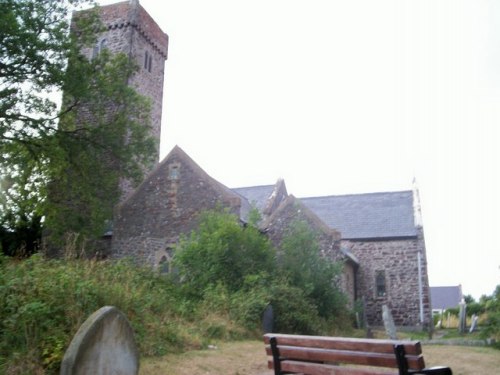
357, 194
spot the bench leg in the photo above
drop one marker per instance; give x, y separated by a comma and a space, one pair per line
276, 356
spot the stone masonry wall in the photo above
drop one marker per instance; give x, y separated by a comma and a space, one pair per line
399, 260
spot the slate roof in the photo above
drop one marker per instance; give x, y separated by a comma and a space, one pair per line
445, 297
363, 216
256, 195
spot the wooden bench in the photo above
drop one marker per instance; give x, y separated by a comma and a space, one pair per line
317, 355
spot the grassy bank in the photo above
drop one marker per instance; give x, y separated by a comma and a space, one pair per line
44, 302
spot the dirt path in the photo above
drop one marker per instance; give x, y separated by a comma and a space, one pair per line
248, 357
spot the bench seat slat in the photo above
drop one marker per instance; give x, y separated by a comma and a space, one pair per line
321, 369
344, 343
343, 356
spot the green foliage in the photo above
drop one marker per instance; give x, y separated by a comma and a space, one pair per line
305, 268
221, 251
233, 270
492, 307
294, 312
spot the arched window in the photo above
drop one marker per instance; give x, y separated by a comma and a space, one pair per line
163, 265
98, 48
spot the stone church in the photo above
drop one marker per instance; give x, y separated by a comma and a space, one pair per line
378, 237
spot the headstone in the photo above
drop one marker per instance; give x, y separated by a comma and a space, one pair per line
473, 325
462, 317
268, 319
104, 345
390, 328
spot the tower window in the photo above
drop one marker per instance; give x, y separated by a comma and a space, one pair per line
98, 48
380, 283
148, 61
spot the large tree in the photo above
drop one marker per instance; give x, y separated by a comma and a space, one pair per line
47, 147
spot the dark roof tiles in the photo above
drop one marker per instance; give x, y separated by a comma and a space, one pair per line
445, 297
256, 195
373, 215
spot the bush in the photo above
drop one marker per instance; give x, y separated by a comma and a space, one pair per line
294, 312
492, 326
221, 251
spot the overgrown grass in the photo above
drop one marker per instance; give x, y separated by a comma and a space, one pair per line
44, 302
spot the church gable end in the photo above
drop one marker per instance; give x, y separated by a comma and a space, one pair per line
167, 205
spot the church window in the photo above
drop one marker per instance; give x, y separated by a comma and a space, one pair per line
98, 48
380, 283
95, 51
148, 61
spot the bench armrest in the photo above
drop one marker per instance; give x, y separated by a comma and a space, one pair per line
438, 370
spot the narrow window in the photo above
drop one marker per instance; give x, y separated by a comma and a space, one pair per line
146, 59
380, 283
150, 63
163, 265
95, 51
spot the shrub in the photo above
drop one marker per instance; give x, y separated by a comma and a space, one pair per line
221, 251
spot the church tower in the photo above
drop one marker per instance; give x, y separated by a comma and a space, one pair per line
128, 28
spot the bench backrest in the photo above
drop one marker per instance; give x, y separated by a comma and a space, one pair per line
309, 354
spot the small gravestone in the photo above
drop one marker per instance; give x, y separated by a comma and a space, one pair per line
268, 319
473, 325
390, 327
104, 345
462, 317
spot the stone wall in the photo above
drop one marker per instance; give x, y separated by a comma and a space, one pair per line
397, 260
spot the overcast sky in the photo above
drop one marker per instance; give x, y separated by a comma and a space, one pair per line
349, 96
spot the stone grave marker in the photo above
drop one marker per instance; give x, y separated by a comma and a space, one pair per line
104, 345
462, 317
268, 319
473, 325
390, 327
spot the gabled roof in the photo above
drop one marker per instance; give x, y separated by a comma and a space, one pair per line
161, 170
445, 297
363, 216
